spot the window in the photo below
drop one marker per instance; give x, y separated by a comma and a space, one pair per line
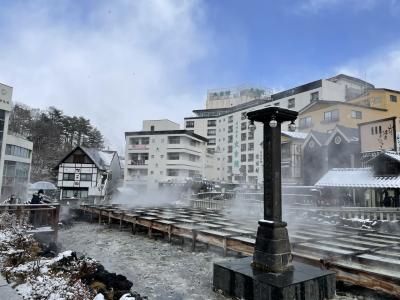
230, 149
229, 169
372, 130
250, 157
229, 159
331, 116
212, 123
251, 135
211, 132
189, 124
305, 122
211, 150
86, 177
173, 156
230, 119
291, 103
230, 138
314, 96
243, 136
243, 147
244, 115
230, 129
356, 114
152, 128
211, 142
243, 158
17, 151
174, 140
172, 172
250, 169
243, 126
69, 176
393, 98
251, 146
193, 157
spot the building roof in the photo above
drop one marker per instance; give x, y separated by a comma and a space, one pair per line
319, 137
295, 134
388, 154
352, 134
218, 112
351, 78
332, 102
297, 90
376, 121
180, 131
102, 159
357, 178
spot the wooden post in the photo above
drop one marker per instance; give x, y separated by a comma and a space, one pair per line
120, 222
150, 232
55, 221
99, 216
134, 225
169, 233
224, 246
109, 219
194, 236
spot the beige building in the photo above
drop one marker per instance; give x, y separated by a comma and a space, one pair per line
383, 134
324, 115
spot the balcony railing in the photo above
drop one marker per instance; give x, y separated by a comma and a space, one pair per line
138, 147
138, 162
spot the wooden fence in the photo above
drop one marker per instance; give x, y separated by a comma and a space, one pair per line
38, 215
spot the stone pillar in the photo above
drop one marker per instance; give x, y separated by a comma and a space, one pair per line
272, 251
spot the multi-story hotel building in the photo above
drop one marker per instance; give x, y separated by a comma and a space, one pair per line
15, 152
161, 152
237, 150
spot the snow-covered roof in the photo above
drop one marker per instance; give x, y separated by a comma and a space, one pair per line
106, 157
102, 159
295, 134
357, 177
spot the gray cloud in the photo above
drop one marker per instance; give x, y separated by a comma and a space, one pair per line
116, 62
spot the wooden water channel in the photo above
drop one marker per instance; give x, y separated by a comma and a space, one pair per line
363, 257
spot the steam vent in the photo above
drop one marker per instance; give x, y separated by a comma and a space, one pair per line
271, 274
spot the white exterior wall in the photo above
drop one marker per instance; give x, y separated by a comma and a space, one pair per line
6, 105
159, 125
155, 169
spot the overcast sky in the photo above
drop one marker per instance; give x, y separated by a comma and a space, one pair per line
119, 62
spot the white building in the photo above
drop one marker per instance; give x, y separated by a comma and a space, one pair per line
16, 166
161, 152
15, 152
86, 172
238, 151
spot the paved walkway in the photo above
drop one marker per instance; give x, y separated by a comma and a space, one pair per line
7, 292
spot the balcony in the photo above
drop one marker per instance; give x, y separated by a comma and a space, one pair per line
138, 147
138, 163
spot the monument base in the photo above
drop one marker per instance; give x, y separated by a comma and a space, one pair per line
237, 278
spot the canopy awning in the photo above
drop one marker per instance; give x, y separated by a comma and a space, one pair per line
357, 178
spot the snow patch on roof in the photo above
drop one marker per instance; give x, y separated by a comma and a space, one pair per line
295, 134
357, 177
